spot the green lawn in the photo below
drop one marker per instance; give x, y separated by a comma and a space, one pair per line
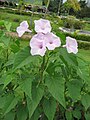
85, 54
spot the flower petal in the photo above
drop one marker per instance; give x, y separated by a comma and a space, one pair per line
52, 41
71, 45
37, 45
20, 31
42, 26
22, 28
24, 24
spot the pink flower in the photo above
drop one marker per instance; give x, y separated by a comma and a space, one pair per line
52, 41
23, 28
37, 44
42, 26
71, 45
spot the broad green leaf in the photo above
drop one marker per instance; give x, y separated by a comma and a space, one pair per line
22, 113
86, 101
62, 36
26, 86
2, 101
83, 72
68, 115
10, 60
10, 103
49, 107
77, 114
10, 116
7, 79
6, 40
56, 88
68, 58
7, 25
36, 114
22, 58
37, 94
1, 22
87, 116
74, 88
14, 48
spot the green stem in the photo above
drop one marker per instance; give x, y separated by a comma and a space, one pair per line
47, 8
7, 58
42, 69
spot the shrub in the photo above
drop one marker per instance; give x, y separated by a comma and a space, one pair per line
72, 22
79, 36
84, 45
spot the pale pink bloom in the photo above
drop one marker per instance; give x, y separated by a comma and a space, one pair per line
71, 45
23, 28
42, 26
52, 41
37, 44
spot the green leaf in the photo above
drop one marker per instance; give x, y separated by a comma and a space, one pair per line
22, 58
15, 48
87, 116
68, 115
22, 113
10, 103
26, 86
68, 58
7, 80
49, 107
56, 88
62, 36
2, 101
10, 116
37, 94
36, 114
77, 114
6, 40
86, 101
74, 88
10, 60
7, 25
1, 22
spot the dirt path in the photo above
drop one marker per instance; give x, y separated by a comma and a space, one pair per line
15, 35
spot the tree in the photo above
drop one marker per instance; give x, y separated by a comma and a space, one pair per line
71, 6
85, 10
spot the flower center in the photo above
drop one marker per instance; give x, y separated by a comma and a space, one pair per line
51, 42
40, 46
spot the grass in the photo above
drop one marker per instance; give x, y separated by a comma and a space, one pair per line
85, 54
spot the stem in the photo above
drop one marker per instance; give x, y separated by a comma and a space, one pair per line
7, 58
32, 16
42, 69
47, 8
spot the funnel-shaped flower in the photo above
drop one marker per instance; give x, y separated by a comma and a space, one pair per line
71, 45
23, 28
52, 41
42, 26
37, 44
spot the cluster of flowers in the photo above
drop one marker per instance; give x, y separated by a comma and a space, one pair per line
45, 39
